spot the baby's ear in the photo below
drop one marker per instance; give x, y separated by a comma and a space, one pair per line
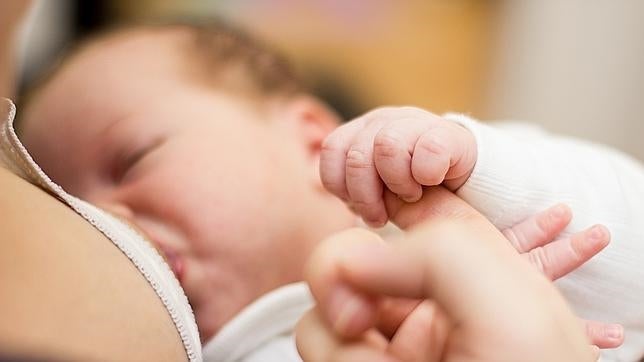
309, 120
312, 121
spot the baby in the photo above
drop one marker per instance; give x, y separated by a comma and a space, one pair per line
207, 143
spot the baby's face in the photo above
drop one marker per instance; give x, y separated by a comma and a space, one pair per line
228, 192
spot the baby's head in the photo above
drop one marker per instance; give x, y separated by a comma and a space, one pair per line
202, 139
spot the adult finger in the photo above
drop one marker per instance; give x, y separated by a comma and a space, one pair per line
348, 312
430, 262
315, 342
392, 312
436, 203
422, 335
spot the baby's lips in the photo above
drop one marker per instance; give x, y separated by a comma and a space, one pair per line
174, 260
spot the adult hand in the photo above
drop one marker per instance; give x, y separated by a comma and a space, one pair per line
484, 302
532, 238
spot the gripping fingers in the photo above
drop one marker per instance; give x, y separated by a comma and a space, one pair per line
333, 158
392, 155
364, 186
444, 154
315, 342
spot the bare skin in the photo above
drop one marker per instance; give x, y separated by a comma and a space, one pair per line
66, 292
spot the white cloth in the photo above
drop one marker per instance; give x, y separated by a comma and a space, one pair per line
263, 331
140, 252
521, 171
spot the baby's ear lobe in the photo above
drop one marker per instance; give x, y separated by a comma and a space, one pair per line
313, 121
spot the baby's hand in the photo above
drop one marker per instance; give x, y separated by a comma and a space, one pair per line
402, 149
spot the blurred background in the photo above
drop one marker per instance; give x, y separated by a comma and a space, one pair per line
576, 67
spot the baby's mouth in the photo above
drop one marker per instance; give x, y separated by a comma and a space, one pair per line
173, 259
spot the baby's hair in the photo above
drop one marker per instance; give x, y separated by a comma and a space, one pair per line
218, 54
243, 62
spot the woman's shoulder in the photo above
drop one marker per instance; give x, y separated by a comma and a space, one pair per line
66, 288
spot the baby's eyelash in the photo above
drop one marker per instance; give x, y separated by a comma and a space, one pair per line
124, 163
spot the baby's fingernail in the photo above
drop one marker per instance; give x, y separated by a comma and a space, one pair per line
560, 211
615, 331
597, 233
348, 313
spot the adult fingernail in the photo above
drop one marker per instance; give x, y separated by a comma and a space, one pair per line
410, 199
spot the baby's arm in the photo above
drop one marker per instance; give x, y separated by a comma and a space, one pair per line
515, 176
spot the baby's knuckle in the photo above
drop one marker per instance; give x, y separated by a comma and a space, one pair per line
427, 177
332, 143
540, 260
388, 143
358, 159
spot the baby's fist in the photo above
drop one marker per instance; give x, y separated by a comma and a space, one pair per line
397, 149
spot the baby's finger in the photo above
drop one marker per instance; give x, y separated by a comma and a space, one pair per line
604, 335
392, 149
539, 229
333, 158
561, 257
364, 185
445, 153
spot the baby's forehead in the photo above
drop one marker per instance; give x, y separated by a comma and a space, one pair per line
107, 77
143, 53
